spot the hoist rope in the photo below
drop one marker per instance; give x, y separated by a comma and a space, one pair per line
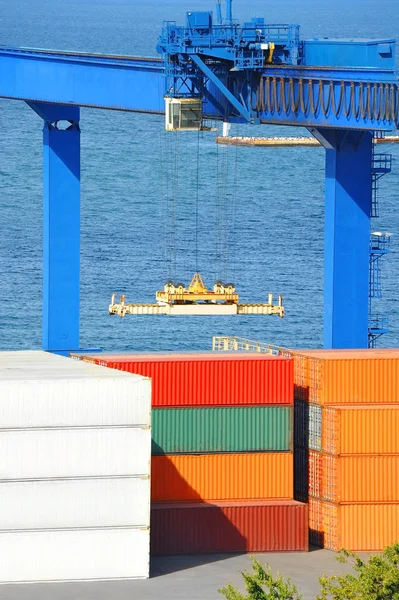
175, 191
197, 202
234, 216
225, 204
218, 215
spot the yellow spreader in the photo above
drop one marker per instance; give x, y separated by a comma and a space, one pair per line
176, 299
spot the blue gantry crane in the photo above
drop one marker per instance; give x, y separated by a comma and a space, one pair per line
211, 67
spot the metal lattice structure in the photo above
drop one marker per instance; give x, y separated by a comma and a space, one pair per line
379, 246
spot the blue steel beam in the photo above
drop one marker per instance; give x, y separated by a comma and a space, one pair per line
244, 112
350, 98
346, 237
61, 227
341, 98
118, 83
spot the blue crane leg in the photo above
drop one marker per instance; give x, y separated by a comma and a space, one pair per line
347, 237
61, 237
61, 227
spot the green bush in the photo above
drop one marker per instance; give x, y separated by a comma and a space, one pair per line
260, 584
374, 579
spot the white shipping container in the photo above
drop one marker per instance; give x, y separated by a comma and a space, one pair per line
38, 389
46, 453
74, 555
57, 504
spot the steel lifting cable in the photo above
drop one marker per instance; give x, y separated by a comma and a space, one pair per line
337, 110
294, 104
304, 108
197, 203
377, 114
225, 203
169, 170
388, 92
217, 228
311, 97
321, 99
388, 89
174, 202
375, 101
260, 101
361, 101
395, 104
234, 217
374, 106
268, 96
348, 106
286, 106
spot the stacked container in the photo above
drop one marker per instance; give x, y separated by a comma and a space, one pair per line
222, 465
347, 446
75, 470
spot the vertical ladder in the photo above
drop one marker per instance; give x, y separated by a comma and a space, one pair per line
379, 247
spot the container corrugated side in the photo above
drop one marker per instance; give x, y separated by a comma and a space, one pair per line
39, 389
361, 430
369, 527
361, 478
247, 526
74, 555
231, 429
363, 527
76, 452
348, 376
222, 476
210, 379
63, 503
75, 402
346, 478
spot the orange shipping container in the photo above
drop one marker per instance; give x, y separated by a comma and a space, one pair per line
347, 376
355, 527
222, 476
371, 429
347, 478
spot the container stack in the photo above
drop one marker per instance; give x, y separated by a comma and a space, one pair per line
222, 465
347, 446
75, 443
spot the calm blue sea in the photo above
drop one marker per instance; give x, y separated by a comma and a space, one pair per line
275, 236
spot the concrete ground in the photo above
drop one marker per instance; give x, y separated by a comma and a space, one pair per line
187, 578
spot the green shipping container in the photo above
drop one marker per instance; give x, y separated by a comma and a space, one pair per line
230, 429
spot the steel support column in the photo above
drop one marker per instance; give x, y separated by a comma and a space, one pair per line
61, 227
347, 237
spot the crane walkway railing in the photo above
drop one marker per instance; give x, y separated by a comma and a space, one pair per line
239, 344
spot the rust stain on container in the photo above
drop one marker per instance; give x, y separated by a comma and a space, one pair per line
209, 379
246, 526
366, 527
347, 376
222, 476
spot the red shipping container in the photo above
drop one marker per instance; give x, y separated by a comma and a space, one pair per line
239, 526
209, 378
